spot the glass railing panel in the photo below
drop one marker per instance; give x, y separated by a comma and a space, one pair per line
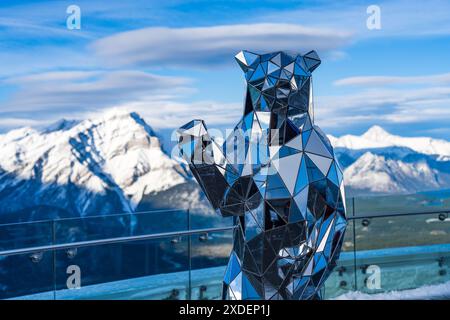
200, 219
24, 235
120, 225
161, 221
402, 252
407, 249
431, 201
209, 256
402, 231
342, 278
27, 274
135, 270
22, 274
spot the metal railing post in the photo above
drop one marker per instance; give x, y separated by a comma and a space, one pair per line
54, 258
189, 256
354, 243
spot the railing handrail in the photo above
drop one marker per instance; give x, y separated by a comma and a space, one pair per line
350, 217
396, 214
97, 242
150, 236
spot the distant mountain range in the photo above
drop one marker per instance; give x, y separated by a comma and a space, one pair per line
379, 162
116, 164
108, 165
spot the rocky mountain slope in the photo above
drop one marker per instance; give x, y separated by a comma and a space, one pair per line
379, 162
116, 164
107, 165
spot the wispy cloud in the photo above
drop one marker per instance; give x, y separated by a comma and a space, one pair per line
170, 114
391, 80
403, 18
203, 46
25, 27
98, 74
389, 99
382, 105
9, 123
88, 90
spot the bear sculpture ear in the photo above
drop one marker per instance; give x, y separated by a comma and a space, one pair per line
312, 60
247, 59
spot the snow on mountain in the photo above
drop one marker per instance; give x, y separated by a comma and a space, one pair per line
379, 162
375, 173
116, 164
99, 166
61, 125
377, 137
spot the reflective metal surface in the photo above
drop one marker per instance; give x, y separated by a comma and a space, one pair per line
278, 176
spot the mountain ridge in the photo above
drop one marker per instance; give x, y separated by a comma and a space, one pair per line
115, 163
100, 166
377, 137
378, 162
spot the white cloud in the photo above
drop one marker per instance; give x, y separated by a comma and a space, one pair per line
202, 46
88, 94
89, 90
381, 105
391, 80
25, 27
7, 123
157, 97
398, 17
173, 114
389, 99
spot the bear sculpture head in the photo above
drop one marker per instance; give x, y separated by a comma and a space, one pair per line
278, 82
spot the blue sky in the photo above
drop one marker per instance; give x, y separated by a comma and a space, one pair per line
173, 60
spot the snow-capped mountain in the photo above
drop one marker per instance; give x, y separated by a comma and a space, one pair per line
108, 165
377, 137
379, 162
116, 164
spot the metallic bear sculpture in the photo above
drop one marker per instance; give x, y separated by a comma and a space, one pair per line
278, 177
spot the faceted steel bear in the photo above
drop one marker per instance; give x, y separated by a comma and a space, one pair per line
284, 189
